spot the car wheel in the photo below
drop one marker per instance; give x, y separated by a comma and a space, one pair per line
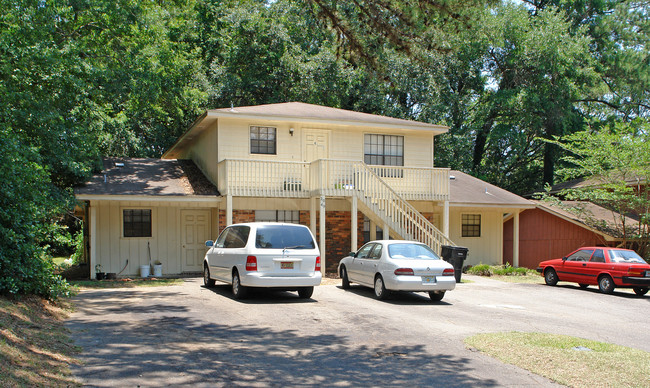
640, 290
306, 292
345, 282
380, 289
238, 291
206, 277
436, 296
550, 277
583, 285
606, 284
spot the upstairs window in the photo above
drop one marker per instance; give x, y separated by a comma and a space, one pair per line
263, 140
384, 150
471, 225
137, 222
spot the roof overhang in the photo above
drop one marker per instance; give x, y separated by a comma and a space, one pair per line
493, 205
152, 198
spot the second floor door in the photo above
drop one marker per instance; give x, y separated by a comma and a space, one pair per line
316, 145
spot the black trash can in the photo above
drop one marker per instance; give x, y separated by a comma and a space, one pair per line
455, 256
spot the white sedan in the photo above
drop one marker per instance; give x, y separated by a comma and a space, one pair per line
397, 265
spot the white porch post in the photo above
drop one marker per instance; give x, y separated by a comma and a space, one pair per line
354, 228
515, 240
445, 219
312, 215
92, 260
373, 231
386, 231
228, 209
323, 248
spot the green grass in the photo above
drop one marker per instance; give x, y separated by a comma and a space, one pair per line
556, 357
35, 349
125, 283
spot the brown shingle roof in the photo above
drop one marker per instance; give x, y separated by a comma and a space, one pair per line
301, 110
468, 190
148, 177
589, 214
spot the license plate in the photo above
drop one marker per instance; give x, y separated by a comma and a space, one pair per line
286, 265
428, 279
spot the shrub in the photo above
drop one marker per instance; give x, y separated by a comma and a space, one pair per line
504, 270
481, 270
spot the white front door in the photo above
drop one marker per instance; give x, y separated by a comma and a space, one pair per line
195, 231
316, 145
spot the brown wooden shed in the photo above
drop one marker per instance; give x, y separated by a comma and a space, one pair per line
552, 231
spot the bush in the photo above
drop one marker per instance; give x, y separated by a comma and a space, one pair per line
481, 270
503, 270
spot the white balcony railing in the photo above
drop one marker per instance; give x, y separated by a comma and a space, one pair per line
257, 178
382, 191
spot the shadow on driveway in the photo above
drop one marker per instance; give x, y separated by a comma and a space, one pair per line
166, 342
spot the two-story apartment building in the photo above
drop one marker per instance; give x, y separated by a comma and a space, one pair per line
349, 176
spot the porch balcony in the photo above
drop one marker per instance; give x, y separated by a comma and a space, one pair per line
331, 178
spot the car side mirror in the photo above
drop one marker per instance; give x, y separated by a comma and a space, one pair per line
353, 254
564, 258
209, 243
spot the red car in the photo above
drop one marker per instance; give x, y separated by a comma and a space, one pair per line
606, 267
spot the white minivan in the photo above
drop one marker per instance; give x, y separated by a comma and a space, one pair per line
264, 254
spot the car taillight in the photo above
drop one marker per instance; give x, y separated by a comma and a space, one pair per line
317, 267
635, 271
404, 271
448, 272
251, 263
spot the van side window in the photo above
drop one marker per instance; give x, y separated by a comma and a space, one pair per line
222, 238
236, 237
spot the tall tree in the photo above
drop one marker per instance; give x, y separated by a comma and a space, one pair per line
616, 160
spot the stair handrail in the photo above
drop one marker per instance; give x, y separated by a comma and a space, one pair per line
431, 235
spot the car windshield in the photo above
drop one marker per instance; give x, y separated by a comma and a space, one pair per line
283, 236
620, 256
411, 251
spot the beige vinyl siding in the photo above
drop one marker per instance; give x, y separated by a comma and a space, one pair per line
204, 153
346, 142
486, 249
234, 140
113, 250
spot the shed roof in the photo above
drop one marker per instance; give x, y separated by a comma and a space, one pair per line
588, 214
147, 177
466, 190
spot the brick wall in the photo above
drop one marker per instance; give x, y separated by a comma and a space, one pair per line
338, 237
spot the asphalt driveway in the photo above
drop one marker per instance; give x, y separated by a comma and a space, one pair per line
191, 335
